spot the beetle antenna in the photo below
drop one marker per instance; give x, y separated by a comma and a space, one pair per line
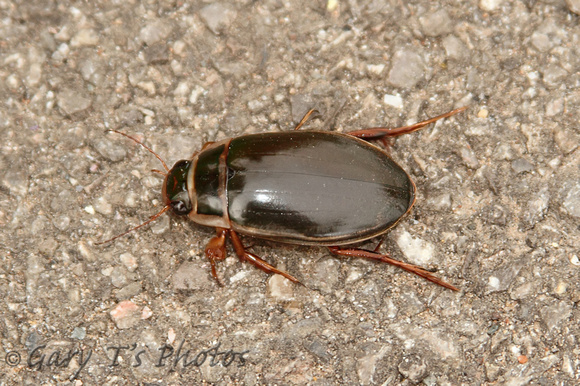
159, 172
142, 144
151, 219
306, 117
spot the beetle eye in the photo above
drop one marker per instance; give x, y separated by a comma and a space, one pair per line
180, 207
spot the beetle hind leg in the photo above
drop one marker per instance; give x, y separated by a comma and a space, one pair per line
385, 132
355, 252
255, 260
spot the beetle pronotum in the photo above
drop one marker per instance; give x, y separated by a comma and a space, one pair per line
299, 187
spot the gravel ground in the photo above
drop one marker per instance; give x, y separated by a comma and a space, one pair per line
497, 211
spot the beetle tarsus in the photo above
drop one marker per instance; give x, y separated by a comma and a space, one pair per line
387, 259
244, 255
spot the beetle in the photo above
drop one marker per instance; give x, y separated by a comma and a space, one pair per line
300, 187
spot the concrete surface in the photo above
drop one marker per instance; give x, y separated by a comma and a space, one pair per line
497, 213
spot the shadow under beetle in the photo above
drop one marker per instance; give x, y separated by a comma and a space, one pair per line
300, 187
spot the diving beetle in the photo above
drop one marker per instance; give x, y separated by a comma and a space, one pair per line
300, 187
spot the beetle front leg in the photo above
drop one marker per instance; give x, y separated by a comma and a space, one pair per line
355, 252
255, 260
216, 250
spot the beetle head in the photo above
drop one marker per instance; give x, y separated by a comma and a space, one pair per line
175, 192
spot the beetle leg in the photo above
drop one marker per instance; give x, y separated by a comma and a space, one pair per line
216, 250
378, 245
306, 117
255, 260
382, 132
355, 252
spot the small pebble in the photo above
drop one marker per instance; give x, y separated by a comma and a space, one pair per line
126, 314
522, 165
393, 100
408, 69
280, 288
331, 5
190, 276
454, 48
489, 5
566, 139
155, 32
376, 69
469, 158
556, 313
78, 333
574, 6
418, 251
171, 335
72, 101
436, 23
218, 17
112, 151
129, 261
103, 206
554, 75
483, 113
146, 313
571, 203
85, 38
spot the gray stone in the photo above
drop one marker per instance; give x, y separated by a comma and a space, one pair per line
112, 151
157, 53
555, 107
155, 31
554, 75
190, 276
500, 279
73, 101
407, 69
454, 47
441, 202
118, 277
522, 165
437, 23
85, 38
567, 139
326, 274
367, 365
537, 207
15, 181
574, 6
416, 250
553, 315
490, 5
126, 315
571, 203
129, 291
318, 348
413, 368
217, 16
79, 333
469, 158
280, 288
